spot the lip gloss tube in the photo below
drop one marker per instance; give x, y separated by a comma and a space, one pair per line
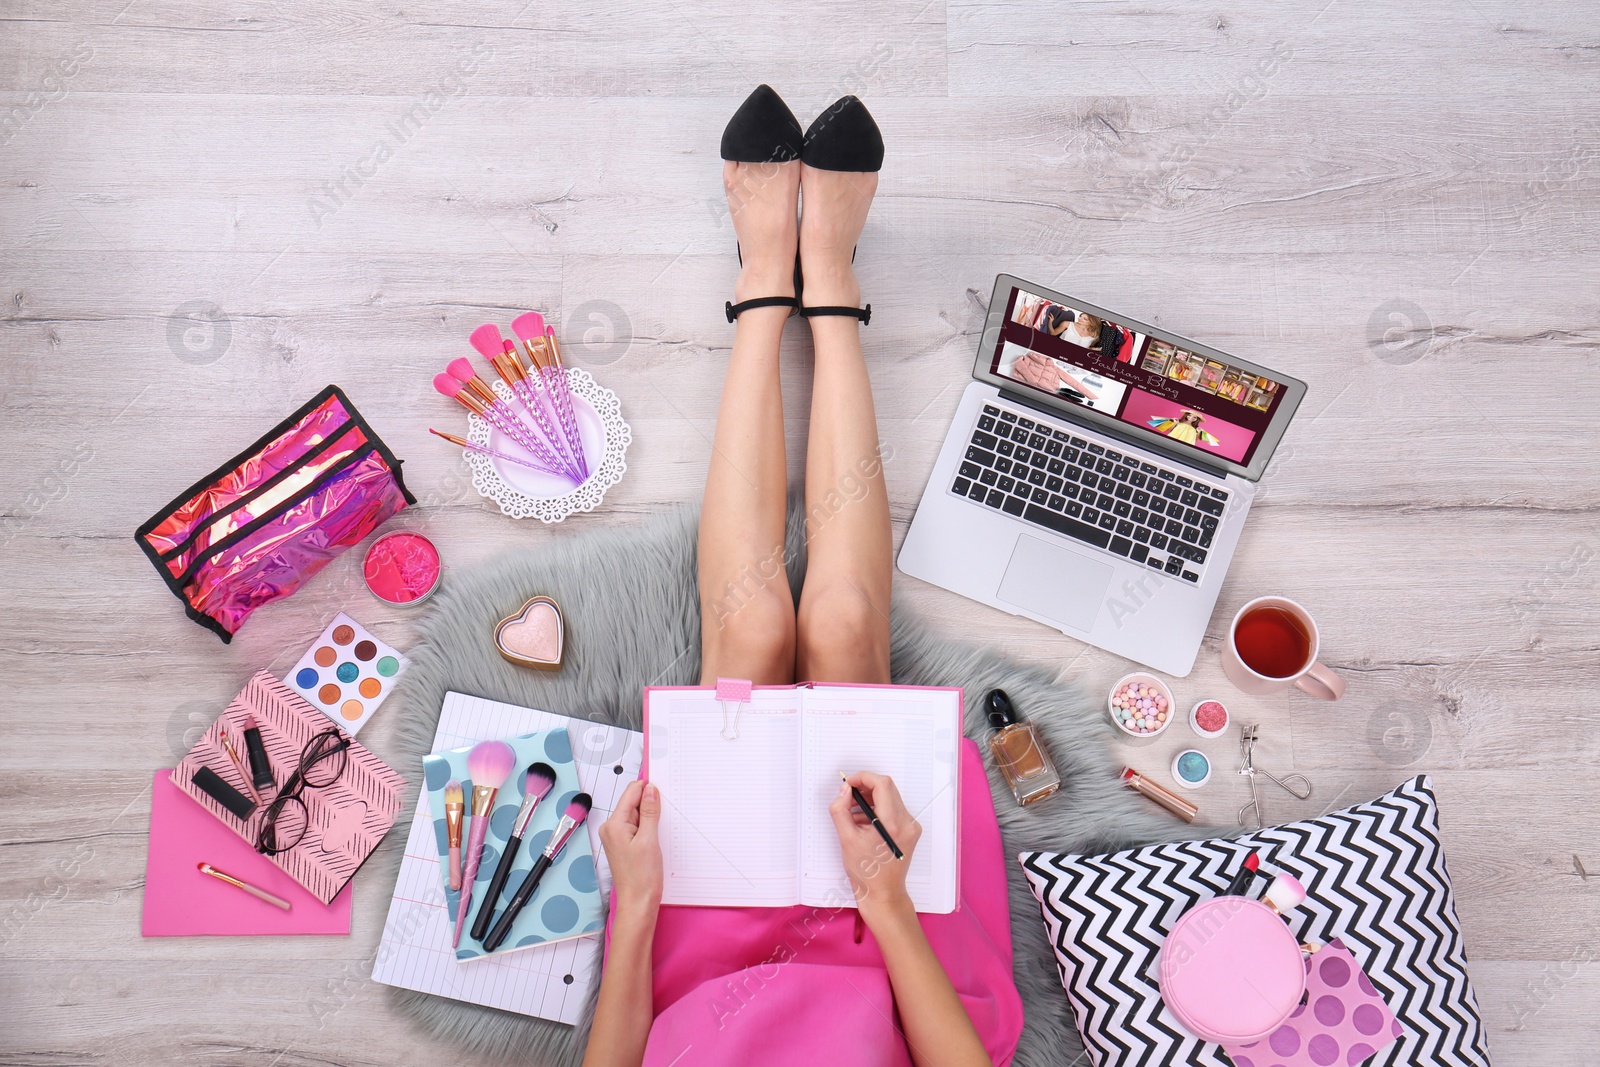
1160, 794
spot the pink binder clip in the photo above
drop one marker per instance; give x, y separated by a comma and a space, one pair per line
732, 692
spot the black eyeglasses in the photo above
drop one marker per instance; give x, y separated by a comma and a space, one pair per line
322, 761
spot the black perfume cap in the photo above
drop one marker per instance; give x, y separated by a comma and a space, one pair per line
1001, 712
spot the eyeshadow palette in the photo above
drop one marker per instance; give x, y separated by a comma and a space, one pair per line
347, 673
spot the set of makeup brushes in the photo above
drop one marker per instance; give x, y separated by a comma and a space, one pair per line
489, 765
541, 421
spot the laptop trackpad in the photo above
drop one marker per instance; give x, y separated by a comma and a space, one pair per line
1054, 582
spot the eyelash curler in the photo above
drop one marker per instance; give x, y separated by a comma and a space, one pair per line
1251, 812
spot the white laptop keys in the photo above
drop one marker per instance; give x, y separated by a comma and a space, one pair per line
1097, 475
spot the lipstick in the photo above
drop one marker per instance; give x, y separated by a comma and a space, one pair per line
1160, 794
260, 766
1241, 883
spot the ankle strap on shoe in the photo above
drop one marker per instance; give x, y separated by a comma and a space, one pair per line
735, 310
864, 314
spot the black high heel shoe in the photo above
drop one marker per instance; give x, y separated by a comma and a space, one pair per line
845, 138
763, 130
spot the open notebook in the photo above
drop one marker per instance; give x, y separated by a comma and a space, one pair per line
745, 821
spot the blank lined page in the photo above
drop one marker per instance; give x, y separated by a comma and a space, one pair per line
911, 735
729, 830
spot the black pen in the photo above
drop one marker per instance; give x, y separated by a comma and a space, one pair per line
866, 809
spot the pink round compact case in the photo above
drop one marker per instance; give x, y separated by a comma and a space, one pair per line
1231, 971
402, 568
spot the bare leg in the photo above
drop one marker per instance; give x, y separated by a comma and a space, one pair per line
843, 625
747, 623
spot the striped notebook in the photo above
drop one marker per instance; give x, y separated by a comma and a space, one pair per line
347, 818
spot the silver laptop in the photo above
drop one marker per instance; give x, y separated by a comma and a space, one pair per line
1097, 475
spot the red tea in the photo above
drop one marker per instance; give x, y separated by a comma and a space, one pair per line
1273, 642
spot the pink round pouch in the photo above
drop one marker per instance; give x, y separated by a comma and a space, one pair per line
1231, 971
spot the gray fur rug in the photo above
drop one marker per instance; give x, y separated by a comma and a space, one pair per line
633, 620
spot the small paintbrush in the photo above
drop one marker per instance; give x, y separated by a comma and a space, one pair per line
454, 806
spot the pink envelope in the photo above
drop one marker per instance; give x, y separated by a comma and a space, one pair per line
179, 901
1341, 1022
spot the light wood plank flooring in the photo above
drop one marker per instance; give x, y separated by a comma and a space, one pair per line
1397, 204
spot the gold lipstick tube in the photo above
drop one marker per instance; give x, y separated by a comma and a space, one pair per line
1160, 794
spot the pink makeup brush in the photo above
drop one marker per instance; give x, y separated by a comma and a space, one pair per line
530, 436
473, 446
255, 891
529, 324
454, 805
536, 402
486, 339
539, 780
461, 370
497, 415
558, 368
577, 811
531, 327
489, 764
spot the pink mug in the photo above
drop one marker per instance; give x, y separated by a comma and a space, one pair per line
1280, 639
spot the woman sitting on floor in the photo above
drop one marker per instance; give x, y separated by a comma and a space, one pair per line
687, 986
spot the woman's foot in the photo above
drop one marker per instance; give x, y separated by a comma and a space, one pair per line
835, 211
762, 201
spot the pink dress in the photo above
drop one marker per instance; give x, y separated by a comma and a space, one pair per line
794, 986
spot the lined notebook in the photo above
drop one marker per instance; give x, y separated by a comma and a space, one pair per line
548, 981
745, 821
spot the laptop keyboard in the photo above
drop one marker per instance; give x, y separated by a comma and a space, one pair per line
1091, 492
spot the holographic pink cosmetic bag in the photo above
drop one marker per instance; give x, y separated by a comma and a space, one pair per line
257, 527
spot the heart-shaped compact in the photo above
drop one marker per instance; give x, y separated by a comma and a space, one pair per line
534, 636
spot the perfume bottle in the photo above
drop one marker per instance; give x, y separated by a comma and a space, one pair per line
1019, 751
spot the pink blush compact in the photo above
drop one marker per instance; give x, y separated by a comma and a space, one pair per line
402, 568
535, 636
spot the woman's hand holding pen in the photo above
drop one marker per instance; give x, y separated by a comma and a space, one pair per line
879, 880
931, 1014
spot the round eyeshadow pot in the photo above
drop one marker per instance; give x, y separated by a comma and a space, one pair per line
402, 568
1209, 718
1191, 769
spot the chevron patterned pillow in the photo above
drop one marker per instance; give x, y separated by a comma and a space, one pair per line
1376, 879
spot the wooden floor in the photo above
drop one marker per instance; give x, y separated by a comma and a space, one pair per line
209, 210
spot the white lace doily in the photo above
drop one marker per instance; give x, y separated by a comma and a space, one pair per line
523, 493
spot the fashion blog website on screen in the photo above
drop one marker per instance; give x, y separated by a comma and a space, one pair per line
1203, 403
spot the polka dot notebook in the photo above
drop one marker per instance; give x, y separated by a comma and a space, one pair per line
567, 903
347, 673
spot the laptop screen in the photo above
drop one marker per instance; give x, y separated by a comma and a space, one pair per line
1202, 401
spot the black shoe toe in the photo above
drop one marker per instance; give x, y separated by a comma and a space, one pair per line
844, 137
763, 130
